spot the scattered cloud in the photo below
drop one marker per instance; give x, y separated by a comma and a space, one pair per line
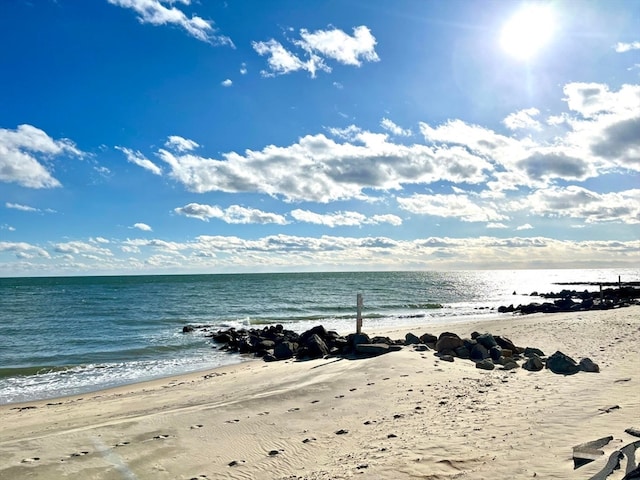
234, 214
24, 153
156, 12
394, 129
142, 226
180, 144
526, 226
342, 219
458, 206
523, 119
22, 208
81, 248
7, 227
243, 68
314, 48
227, 83
139, 159
23, 250
622, 47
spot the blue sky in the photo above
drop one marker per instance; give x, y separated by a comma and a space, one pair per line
157, 136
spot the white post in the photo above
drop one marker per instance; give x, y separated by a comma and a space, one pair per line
359, 316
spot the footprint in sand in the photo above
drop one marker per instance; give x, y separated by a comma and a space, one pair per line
294, 409
235, 420
339, 396
193, 427
30, 460
161, 437
121, 444
315, 401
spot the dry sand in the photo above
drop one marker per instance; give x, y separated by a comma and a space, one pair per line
402, 415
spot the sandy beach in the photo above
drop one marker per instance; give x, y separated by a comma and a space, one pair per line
405, 414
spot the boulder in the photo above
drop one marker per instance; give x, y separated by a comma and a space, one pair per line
562, 364
285, 350
372, 349
462, 352
314, 347
486, 340
411, 339
532, 351
495, 352
429, 339
485, 365
505, 343
448, 342
587, 365
479, 352
533, 364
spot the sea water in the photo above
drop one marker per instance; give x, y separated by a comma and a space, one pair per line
70, 335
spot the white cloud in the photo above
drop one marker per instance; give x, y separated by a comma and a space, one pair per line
234, 214
7, 227
22, 208
155, 12
451, 206
81, 248
394, 129
24, 250
592, 207
496, 225
227, 83
622, 47
139, 159
339, 46
22, 152
142, 226
317, 168
315, 47
342, 219
243, 68
522, 119
180, 144
526, 226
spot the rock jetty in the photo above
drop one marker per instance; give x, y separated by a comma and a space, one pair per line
574, 301
487, 351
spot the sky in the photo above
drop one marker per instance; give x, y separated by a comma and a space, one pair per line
223, 136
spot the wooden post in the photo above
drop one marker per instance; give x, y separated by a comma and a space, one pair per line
359, 303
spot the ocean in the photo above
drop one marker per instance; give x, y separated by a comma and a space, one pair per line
72, 335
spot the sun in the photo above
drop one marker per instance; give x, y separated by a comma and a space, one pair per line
527, 31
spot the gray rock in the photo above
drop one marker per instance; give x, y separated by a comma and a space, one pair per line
285, 350
562, 364
485, 365
411, 339
429, 339
587, 365
372, 349
533, 364
530, 351
495, 352
486, 340
479, 352
448, 341
510, 365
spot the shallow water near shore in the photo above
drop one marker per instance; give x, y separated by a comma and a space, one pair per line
70, 335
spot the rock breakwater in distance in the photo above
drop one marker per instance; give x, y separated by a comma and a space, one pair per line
574, 301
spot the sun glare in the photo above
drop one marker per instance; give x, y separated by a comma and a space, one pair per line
527, 31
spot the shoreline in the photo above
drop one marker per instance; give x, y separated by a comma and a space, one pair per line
404, 414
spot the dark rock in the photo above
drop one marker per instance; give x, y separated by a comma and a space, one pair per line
495, 352
562, 364
587, 365
531, 351
188, 329
429, 339
462, 352
510, 365
479, 352
505, 343
285, 350
421, 347
486, 340
372, 349
533, 364
411, 339
485, 365
448, 341
446, 358
265, 345
314, 347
